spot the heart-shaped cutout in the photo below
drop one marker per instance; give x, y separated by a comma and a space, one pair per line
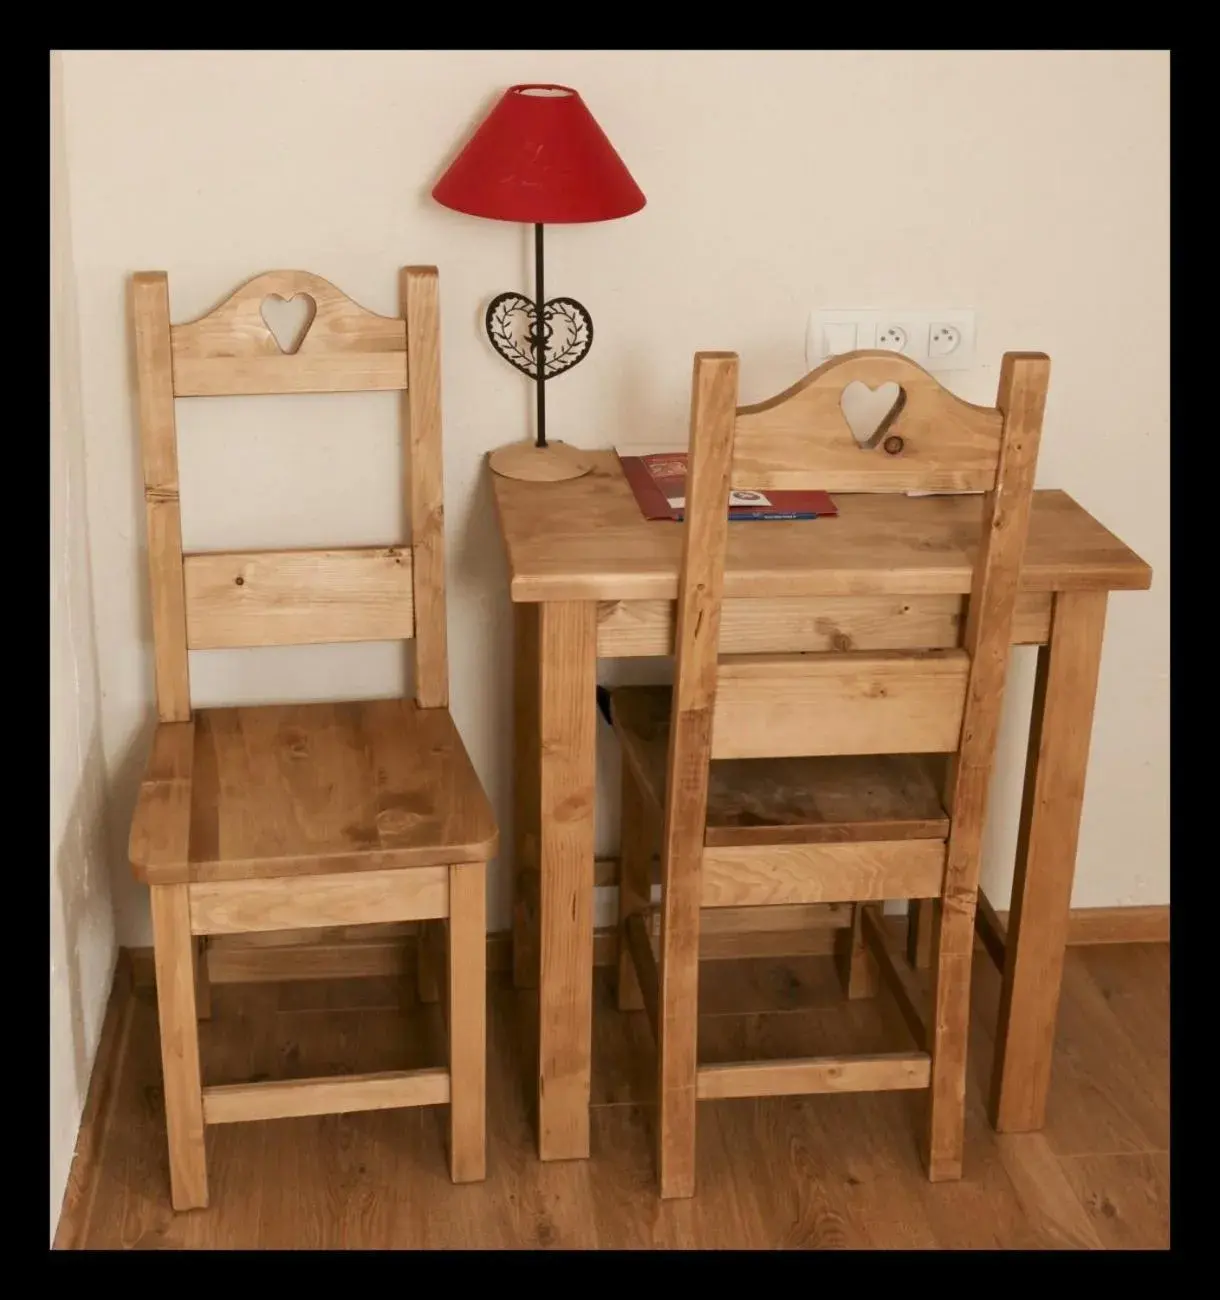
288, 319
869, 412
568, 332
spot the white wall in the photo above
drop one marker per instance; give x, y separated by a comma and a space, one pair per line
1030, 186
82, 920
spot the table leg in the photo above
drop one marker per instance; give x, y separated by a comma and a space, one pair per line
567, 712
921, 931
1060, 730
526, 671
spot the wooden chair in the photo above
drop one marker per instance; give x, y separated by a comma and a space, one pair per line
301, 816
811, 778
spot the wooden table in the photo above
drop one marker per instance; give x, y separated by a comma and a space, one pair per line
591, 578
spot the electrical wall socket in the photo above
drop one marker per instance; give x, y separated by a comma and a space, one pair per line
936, 340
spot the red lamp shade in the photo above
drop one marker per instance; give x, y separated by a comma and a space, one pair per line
540, 157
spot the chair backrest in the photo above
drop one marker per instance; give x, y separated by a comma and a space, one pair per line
942, 701
221, 600
931, 440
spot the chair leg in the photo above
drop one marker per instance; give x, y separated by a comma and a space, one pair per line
922, 918
203, 986
429, 963
677, 1035
954, 950
634, 884
467, 1022
174, 956
857, 966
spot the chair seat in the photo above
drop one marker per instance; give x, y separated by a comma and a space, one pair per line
280, 790
763, 801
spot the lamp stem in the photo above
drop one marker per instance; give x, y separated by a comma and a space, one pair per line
540, 335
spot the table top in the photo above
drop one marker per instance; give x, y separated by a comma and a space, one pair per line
585, 539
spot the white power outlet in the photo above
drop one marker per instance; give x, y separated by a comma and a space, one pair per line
944, 340
936, 340
893, 338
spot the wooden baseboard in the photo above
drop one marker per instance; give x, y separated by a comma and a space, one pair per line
728, 933
1119, 925
103, 1086
1091, 925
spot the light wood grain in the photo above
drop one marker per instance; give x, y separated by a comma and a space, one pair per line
697, 636
788, 919
588, 540
175, 959
1045, 1190
240, 1102
1064, 693
232, 351
158, 846
429, 960
838, 703
637, 837
635, 939
354, 957
990, 930
1114, 997
777, 1173
286, 598
922, 922
237, 327
988, 640
830, 703
775, 706
1126, 1197
881, 1073
236, 906
421, 307
250, 959
159, 453
784, 800
323, 816
1102, 925
309, 789
822, 873
1086, 926
467, 1003
801, 438
566, 737
350, 958
376, 933
857, 967
550, 464
905, 988
258, 376
726, 933
203, 985
263, 598
630, 628
527, 768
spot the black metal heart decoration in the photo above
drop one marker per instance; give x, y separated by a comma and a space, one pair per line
567, 333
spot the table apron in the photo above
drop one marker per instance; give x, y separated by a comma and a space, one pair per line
778, 624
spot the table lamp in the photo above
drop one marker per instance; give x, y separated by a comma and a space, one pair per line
539, 156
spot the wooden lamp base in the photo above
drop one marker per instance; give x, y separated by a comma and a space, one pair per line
550, 464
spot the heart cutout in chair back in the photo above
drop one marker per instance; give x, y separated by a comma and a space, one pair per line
288, 319
869, 412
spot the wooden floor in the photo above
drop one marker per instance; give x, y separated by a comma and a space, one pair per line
823, 1172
